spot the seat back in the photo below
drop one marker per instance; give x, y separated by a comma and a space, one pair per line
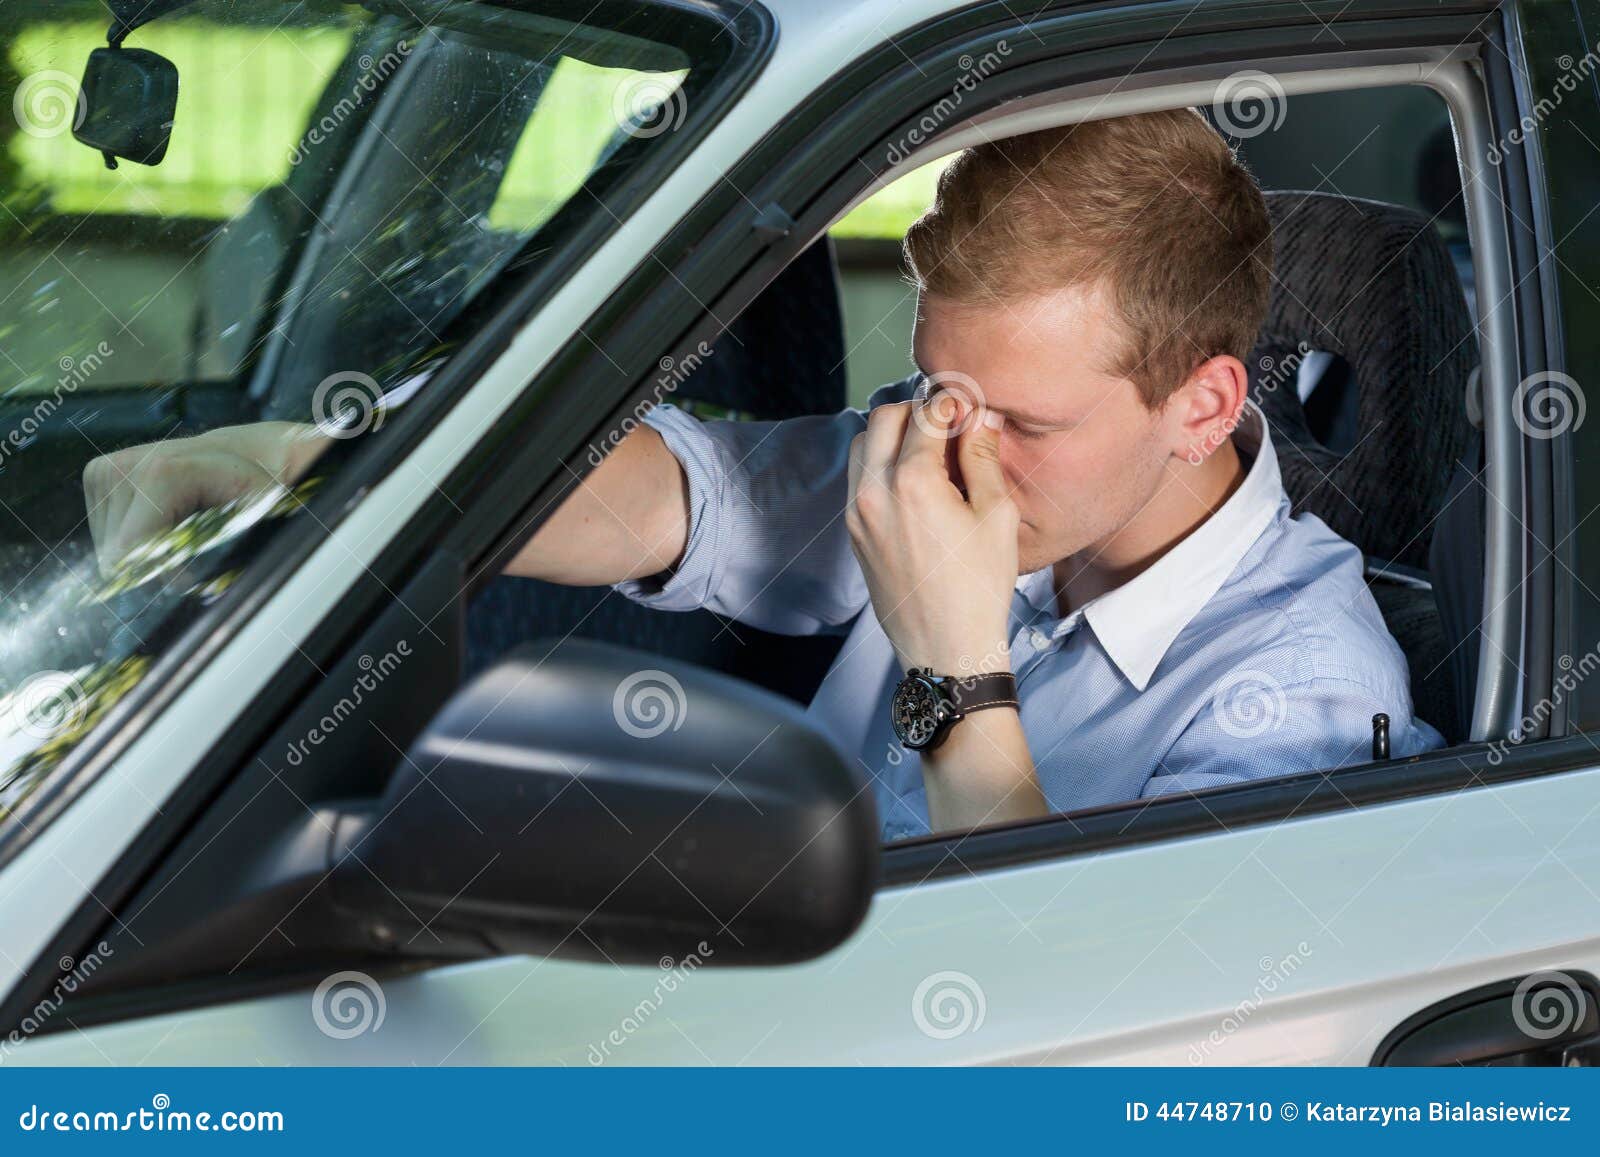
1373, 285
783, 357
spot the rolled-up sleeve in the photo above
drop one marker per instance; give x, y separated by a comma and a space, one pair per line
767, 541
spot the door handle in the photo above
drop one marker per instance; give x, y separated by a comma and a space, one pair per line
1543, 1019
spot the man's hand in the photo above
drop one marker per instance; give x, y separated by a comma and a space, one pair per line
941, 567
134, 494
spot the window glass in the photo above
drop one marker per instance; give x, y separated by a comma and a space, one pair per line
340, 184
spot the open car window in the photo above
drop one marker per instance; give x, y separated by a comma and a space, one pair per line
1348, 418
340, 188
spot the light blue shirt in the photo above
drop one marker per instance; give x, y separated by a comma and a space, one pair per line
1251, 649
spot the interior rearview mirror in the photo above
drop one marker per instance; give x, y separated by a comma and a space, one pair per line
129, 99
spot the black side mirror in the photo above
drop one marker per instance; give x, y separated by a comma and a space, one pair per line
129, 100
593, 801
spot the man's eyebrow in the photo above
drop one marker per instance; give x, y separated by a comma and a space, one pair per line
1030, 420
1025, 419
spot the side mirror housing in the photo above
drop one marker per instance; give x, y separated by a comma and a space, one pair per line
586, 800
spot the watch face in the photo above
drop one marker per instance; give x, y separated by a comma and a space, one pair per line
915, 712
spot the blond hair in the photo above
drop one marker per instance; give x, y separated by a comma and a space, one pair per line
1155, 208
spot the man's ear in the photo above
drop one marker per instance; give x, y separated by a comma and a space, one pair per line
1205, 410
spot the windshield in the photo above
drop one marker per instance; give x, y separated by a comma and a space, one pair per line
340, 185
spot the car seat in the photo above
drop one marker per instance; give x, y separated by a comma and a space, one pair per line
782, 357
1373, 285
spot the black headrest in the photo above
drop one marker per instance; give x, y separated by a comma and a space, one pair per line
784, 355
1373, 284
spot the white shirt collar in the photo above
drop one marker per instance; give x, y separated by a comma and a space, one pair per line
1138, 622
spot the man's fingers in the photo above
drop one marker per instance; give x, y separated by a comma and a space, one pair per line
934, 422
978, 453
880, 446
132, 496
106, 496
140, 518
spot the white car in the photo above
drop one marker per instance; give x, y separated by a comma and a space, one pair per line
299, 782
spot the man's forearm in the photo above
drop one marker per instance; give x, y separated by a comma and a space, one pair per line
982, 774
628, 519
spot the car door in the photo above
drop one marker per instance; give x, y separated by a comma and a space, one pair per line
92, 651
1307, 920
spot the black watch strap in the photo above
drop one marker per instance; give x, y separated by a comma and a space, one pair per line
976, 692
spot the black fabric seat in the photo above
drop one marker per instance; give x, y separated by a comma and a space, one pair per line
783, 357
1375, 286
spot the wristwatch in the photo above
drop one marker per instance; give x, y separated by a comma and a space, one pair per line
926, 706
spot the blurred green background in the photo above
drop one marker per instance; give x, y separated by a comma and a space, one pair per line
246, 93
237, 123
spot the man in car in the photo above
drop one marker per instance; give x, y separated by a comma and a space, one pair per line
1062, 551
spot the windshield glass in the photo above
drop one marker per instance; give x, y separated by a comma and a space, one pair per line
341, 182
